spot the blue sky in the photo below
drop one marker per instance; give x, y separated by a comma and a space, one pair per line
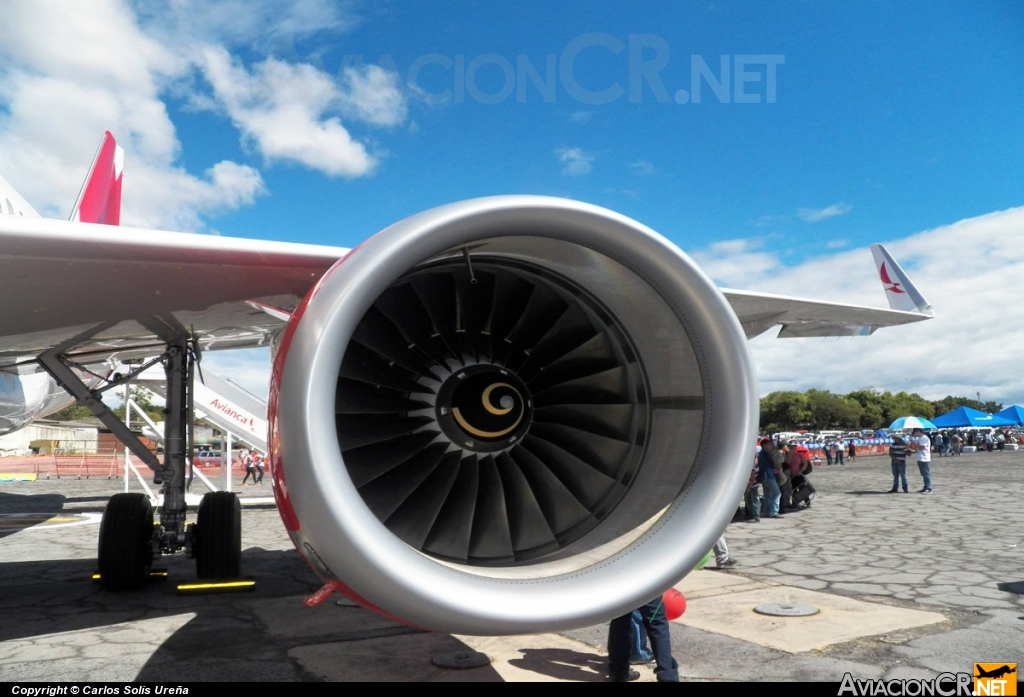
897, 123
905, 118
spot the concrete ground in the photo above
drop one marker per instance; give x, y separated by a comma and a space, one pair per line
907, 585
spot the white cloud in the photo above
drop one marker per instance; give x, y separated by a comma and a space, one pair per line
575, 161
836, 244
816, 215
734, 262
372, 94
969, 272
267, 24
580, 117
643, 167
280, 108
66, 77
247, 368
770, 220
170, 197
68, 72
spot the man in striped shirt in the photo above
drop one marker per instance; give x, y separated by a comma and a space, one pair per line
898, 455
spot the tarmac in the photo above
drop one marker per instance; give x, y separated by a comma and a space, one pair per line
907, 586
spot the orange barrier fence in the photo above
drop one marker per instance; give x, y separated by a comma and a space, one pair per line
107, 465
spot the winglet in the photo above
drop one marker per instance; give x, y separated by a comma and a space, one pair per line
100, 198
899, 289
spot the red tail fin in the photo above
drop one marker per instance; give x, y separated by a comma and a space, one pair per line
100, 199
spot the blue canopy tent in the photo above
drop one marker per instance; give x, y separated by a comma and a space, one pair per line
965, 416
1014, 414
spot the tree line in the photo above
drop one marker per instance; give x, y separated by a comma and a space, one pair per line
75, 412
817, 410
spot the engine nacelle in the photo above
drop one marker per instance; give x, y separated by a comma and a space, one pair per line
511, 415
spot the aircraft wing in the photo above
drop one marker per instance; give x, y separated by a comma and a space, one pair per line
126, 288
63, 279
802, 317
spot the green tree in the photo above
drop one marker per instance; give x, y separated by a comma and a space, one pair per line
872, 407
784, 411
830, 410
144, 398
72, 412
904, 404
950, 402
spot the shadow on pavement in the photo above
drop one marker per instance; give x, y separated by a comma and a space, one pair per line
1012, 587
20, 511
564, 664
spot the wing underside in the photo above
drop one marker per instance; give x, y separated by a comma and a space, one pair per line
802, 317
120, 292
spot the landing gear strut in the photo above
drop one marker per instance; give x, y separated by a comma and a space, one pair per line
129, 540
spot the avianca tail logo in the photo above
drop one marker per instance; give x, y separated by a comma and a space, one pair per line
889, 284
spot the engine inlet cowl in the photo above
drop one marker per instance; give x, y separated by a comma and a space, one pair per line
490, 412
512, 415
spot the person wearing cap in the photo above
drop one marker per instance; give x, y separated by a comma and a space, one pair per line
922, 447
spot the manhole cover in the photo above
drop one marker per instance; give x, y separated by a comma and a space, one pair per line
786, 610
460, 660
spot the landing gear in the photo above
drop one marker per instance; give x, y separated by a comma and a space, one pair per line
126, 542
128, 538
217, 537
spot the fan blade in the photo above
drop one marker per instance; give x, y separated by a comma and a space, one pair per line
416, 515
607, 387
613, 420
363, 365
605, 454
491, 538
371, 461
528, 527
588, 485
437, 294
377, 333
357, 430
386, 493
403, 307
450, 535
359, 398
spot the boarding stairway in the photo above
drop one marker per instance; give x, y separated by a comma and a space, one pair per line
218, 403
221, 404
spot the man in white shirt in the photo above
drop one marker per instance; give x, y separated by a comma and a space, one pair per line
920, 445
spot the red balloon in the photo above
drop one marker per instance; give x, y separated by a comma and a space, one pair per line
675, 603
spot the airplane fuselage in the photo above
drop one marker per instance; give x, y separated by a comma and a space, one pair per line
25, 398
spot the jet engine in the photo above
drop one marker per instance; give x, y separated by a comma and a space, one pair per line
511, 415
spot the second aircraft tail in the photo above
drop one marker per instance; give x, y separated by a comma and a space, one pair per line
899, 289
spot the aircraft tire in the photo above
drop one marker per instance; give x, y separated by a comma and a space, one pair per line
126, 542
218, 541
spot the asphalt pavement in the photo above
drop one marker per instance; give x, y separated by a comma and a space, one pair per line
906, 585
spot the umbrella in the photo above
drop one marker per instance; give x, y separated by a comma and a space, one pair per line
965, 416
911, 422
1014, 414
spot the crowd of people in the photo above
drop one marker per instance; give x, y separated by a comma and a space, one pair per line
778, 482
950, 443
